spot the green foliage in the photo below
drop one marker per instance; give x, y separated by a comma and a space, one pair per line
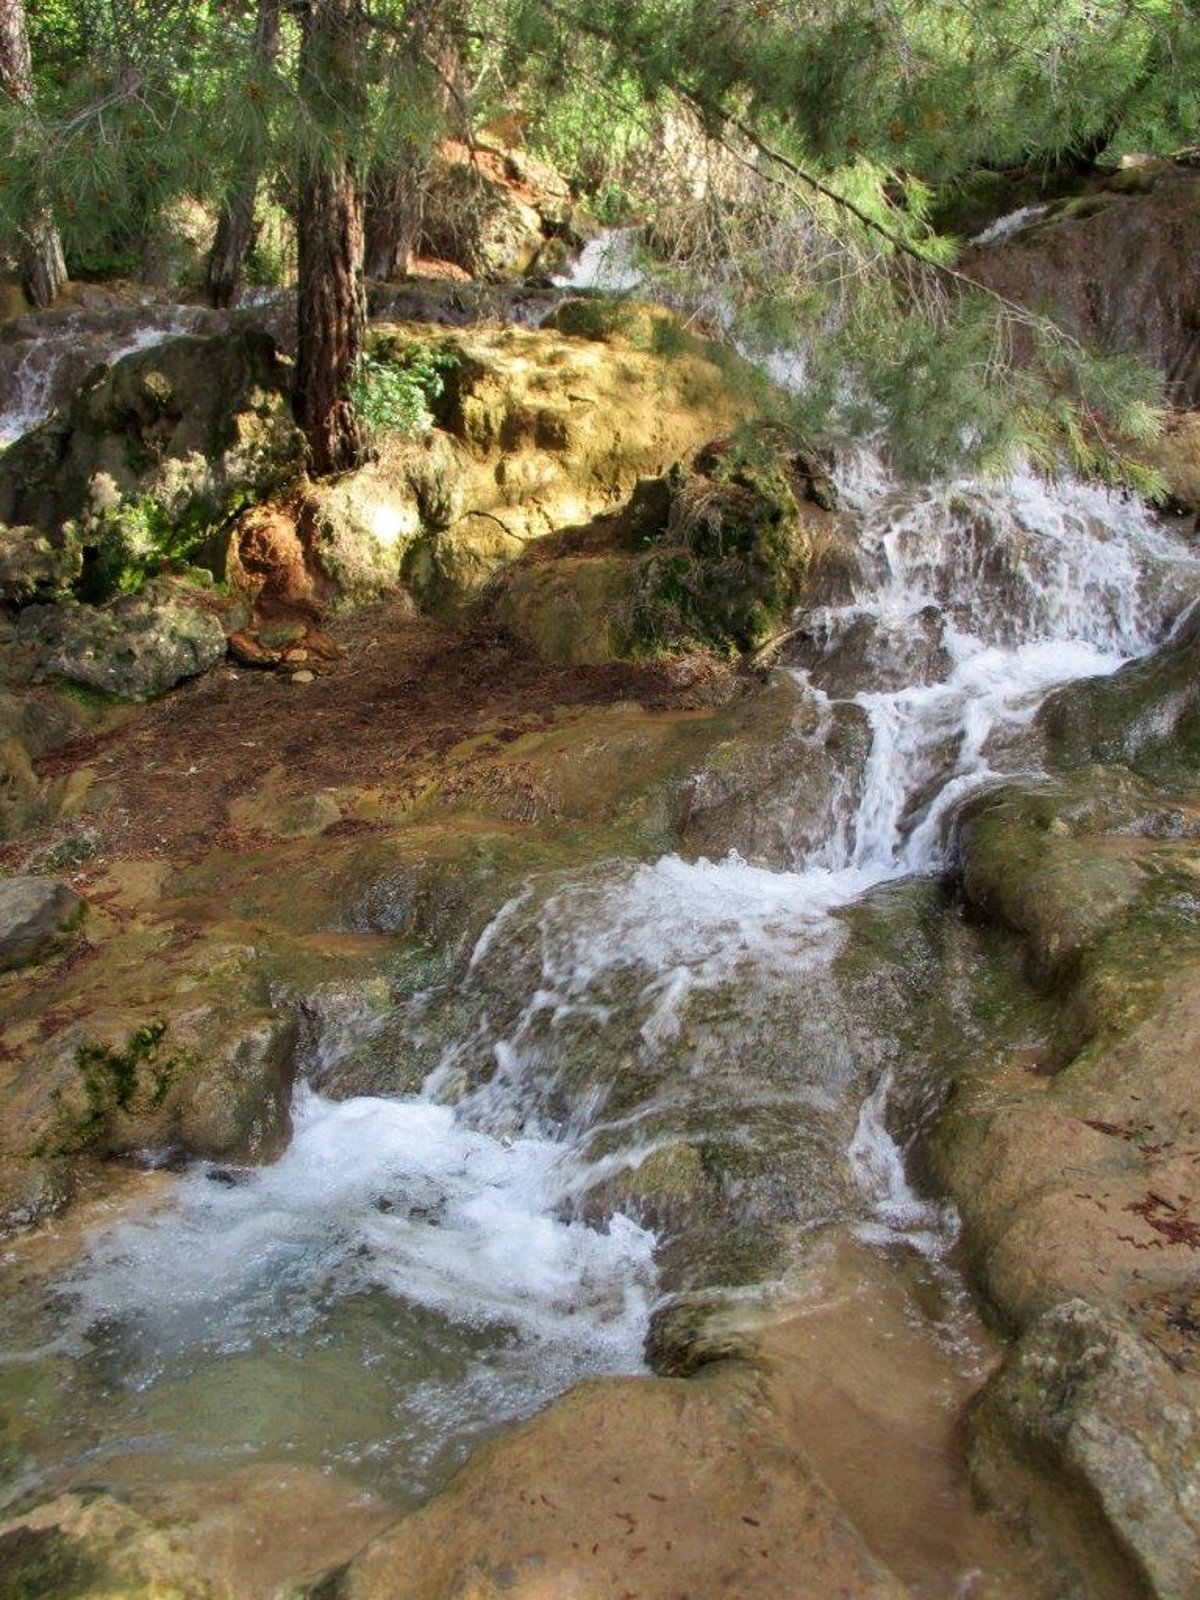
394, 393
887, 106
133, 541
135, 1078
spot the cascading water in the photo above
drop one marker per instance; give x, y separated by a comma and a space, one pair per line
43, 357
462, 1254
417, 1270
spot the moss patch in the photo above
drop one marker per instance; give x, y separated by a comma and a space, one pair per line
134, 1078
45, 1564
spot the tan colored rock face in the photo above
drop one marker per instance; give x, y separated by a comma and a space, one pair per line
538, 431
655, 1488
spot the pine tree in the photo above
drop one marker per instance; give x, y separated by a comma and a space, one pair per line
235, 223
331, 307
43, 269
844, 120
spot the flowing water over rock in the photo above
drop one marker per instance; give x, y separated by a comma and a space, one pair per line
45, 356
660, 1089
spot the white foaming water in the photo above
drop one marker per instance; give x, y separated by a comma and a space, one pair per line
459, 1213
899, 1215
1012, 222
605, 263
373, 1194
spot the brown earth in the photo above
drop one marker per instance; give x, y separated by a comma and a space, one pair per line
403, 692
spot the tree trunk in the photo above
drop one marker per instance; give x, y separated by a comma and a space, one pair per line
43, 269
395, 201
331, 308
396, 190
235, 224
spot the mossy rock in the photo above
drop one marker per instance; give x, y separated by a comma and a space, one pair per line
1146, 716
732, 559
151, 454
90, 1547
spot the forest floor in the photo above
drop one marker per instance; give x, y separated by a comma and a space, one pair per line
399, 692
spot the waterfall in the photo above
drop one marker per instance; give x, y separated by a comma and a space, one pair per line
613, 1012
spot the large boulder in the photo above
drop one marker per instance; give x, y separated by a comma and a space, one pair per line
149, 455
136, 649
1118, 267
537, 431
588, 1500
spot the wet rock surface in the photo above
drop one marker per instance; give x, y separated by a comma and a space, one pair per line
533, 1511
1084, 1397
35, 914
1115, 267
1072, 1156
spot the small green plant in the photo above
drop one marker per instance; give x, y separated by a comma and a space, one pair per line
395, 394
131, 1079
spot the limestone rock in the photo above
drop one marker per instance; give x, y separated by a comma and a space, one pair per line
35, 913
205, 1079
136, 649
1088, 1401
152, 451
1146, 716
91, 1545
537, 432
587, 1500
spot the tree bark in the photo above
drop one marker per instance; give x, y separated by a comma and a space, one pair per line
235, 224
396, 189
331, 308
43, 268
395, 202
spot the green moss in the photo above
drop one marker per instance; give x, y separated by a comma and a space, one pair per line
134, 1079
133, 541
45, 1564
731, 557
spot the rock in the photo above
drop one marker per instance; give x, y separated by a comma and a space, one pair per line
208, 1080
136, 649
1114, 268
35, 914
1045, 883
152, 452
573, 611
536, 433
873, 654
733, 559
494, 213
21, 795
1146, 716
782, 784
269, 810
84, 1545
587, 1499
1100, 1414
37, 567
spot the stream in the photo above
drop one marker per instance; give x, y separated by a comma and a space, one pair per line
416, 1272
